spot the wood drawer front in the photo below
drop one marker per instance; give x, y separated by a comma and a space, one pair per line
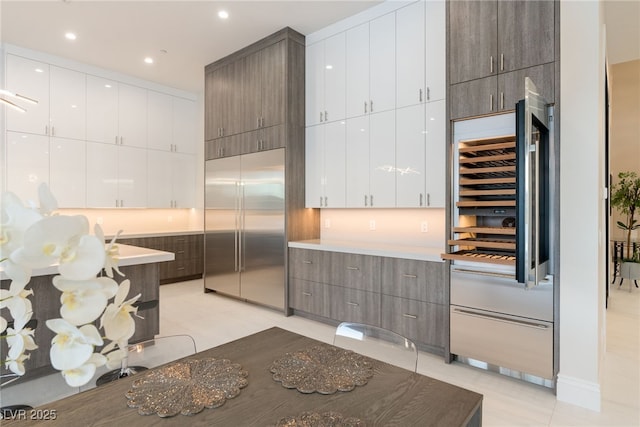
355, 271
310, 297
308, 264
413, 279
419, 321
351, 305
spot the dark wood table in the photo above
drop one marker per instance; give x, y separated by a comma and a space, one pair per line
392, 397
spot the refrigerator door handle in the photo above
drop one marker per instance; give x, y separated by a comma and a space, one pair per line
236, 248
242, 228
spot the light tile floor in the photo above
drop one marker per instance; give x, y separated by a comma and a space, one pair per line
212, 320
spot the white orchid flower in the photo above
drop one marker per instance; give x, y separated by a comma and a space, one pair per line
48, 203
117, 321
3, 324
81, 375
111, 251
19, 338
16, 299
83, 301
115, 357
62, 239
72, 347
15, 219
17, 365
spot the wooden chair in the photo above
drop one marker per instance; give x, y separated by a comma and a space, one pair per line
377, 343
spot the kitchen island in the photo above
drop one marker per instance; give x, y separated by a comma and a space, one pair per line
139, 265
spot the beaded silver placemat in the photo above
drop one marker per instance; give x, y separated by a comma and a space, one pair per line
187, 387
315, 419
322, 368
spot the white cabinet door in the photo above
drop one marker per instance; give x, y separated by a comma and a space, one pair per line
410, 58
159, 179
436, 154
382, 153
334, 175
382, 63
184, 180
334, 77
410, 156
102, 175
68, 97
28, 165
184, 125
31, 79
314, 83
435, 52
159, 121
314, 166
132, 177
357, 164
357, 71
102, 110
67, 171
132, 115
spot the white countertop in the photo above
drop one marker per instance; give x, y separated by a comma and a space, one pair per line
377, 249
155, 234
128, 255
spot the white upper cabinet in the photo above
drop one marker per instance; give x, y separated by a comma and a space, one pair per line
183, 184
357, 69
410, 156
325, 80
325, 168
31, 79
28, 166
132, 116
159, 121
184, 125
171, 179
436, 50
102, 110
410, 58
370, 67
436, 154
68, 97
67, 169
370, 160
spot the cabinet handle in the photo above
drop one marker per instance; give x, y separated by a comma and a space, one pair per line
307, 294
491, 61
502, 100
46, 129
420, 95
371, 106
320, 201
325, 116
325, 201
353, 268
428, 94
371, 200
420, 199
116, 203
180, 268
502, 62
365, 200
121, 203
410, 276
491, 102
122, 140
257, 121
307, 262
262, 121
354, 304
320, 116
53, 131
365, 107
428, 199
116, 139
410, 316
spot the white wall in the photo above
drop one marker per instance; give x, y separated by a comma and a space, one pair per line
582, 213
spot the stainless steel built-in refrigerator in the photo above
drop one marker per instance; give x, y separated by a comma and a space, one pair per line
244, 227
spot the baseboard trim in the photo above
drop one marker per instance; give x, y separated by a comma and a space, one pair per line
578, 392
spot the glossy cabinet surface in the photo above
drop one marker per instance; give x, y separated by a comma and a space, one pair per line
410, 156
29, 165
325, 165
132, 115
102, 110
436, 154
436, 34
68, 169
357, 71
410, 55
67, 108
31, 79
159, 121
184, 125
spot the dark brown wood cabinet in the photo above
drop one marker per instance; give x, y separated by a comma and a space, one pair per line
188, 251
493, 46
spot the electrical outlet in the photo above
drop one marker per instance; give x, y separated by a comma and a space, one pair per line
327, 223
372, 224
424, 227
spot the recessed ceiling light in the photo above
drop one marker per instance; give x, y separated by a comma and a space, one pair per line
223, 14
108, 86
70, 36
148, 60
39, 70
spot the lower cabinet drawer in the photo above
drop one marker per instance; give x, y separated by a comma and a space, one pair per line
419, 321
522, 344
351, 305
310, 297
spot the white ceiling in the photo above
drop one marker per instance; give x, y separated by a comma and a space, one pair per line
117, 35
